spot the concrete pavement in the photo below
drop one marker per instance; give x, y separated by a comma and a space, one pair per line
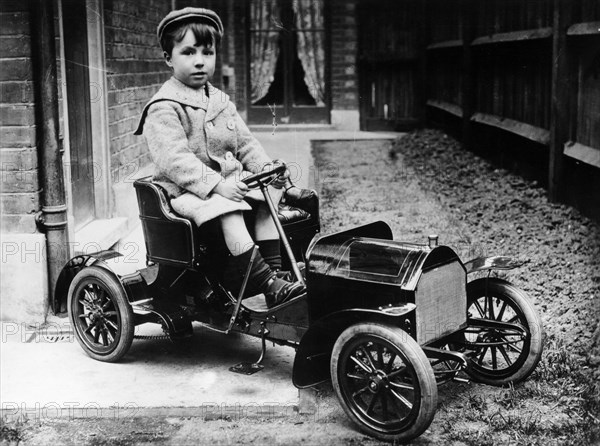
45, 371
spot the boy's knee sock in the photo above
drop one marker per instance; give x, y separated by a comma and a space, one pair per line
271, 252
260, 274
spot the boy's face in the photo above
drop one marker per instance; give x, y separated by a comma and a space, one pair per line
192, 63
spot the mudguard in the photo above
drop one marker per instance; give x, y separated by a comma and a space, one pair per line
311, 364
108, 259
493, 262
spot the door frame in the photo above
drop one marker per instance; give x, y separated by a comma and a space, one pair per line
98, 94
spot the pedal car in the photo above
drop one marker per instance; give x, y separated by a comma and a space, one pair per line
386, 321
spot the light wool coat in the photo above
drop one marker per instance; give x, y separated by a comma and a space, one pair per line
196, 138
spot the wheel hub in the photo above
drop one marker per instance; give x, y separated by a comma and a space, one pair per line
377, 380
96, 314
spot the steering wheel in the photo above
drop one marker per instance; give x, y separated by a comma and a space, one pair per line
256, 180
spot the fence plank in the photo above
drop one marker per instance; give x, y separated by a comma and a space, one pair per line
523, 129
585, 154
467, 100
584, 29
453, 109
514, 36
560, 114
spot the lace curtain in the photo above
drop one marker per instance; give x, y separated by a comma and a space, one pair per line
308, 16
264, 16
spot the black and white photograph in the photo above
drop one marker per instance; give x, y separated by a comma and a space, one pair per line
300, 222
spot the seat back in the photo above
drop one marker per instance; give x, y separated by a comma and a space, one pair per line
169, 238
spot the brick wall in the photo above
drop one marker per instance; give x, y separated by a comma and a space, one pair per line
20, 188
135, 71
344, 42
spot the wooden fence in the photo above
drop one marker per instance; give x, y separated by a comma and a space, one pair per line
525, 68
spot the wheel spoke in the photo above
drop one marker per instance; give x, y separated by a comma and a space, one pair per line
511, 346
401, 399
85, 304
361, 378
112, 325
372, 403
505, 356
96, 333
501, 312
103, 296
368, 355
361, 364
359, 391
89, 329
491, 307
401, 385
480, 358
494, 358
390, 364
106, 304
83, 316
479, 309
379, 356
109, 334
384, 406
110, 313
103, 336
396, 372
88, 296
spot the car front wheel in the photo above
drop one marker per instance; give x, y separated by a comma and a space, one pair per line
384, 381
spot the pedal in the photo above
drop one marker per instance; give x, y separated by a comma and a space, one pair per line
246, 368
250, 368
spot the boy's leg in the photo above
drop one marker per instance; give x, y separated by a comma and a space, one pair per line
240, 244
267, 237
262, 278
236, 234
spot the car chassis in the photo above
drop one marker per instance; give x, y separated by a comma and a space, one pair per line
386, 321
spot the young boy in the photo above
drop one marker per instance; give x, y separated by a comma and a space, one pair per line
201, 149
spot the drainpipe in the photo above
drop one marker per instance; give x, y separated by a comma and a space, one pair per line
52, 220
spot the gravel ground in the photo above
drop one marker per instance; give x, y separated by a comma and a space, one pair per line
424, 183
500, 213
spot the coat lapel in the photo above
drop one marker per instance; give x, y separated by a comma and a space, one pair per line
217, 101
175, 90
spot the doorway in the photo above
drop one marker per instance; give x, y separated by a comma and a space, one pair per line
390, 64
79, 116
288, 62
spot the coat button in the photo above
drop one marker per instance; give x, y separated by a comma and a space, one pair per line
210, 124
231, 124
228, 156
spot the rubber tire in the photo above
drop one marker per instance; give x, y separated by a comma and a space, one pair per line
502, 289
111, 284
415, 355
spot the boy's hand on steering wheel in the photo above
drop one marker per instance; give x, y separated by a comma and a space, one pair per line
232, 189
280, 180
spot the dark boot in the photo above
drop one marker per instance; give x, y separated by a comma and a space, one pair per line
271, 252
262, 280
280, 291
233, 275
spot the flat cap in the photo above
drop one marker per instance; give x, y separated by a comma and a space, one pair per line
198, 14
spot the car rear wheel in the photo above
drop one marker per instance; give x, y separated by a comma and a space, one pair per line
502, 356
384, 381
100, 314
